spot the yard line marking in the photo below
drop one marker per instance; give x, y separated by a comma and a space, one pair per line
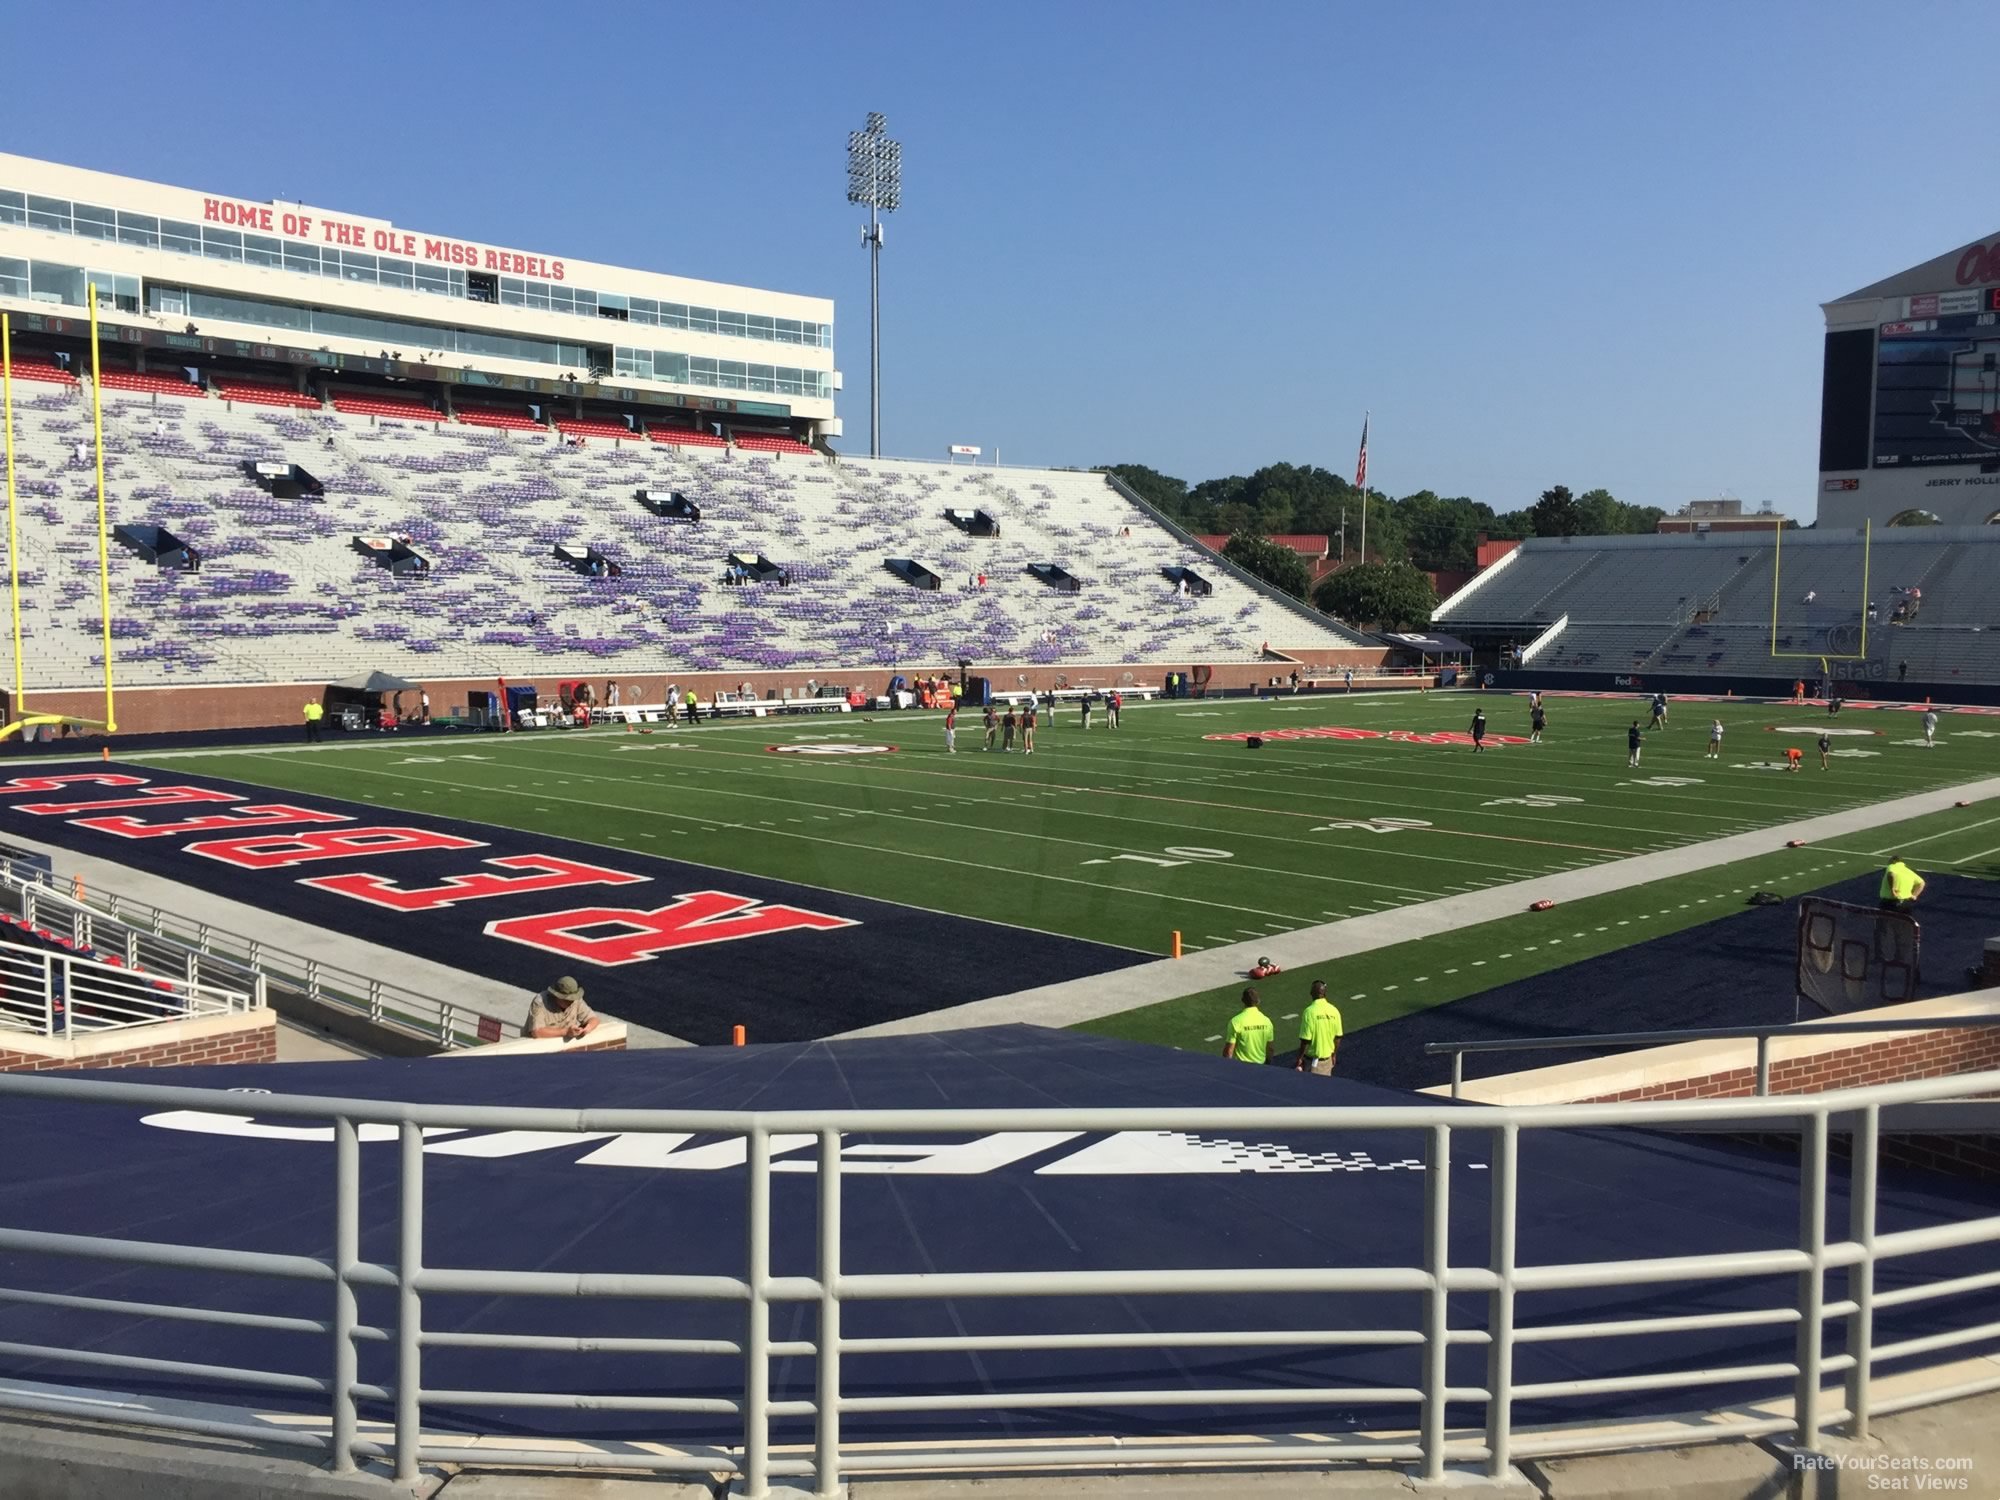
1967, 859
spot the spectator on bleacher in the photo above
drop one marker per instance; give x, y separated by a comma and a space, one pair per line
1250, 1032
560, 1011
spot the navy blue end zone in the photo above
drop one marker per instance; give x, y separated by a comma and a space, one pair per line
1088, 1202
1736, 971
710, 949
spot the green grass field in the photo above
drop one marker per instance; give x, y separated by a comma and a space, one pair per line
1129, 836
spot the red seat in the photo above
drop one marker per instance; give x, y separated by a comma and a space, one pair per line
588, 427
30, 369
494, 416
686, 436
265, 395
767, 442
135, 380
374, 406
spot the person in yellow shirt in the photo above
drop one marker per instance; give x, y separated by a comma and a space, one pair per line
315, 711
1250, 1032
1900, 886
1319, 1033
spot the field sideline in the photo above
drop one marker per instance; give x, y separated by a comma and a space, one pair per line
1125, 837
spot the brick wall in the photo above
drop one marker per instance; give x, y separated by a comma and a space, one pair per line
170, 710
1919, 1054
253, 1045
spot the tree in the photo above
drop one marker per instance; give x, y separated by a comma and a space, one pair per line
1162, 490
1279, 566
1556, 513
1389, 596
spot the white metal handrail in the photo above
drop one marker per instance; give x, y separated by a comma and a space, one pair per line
195, 948
1820, 1252
46, 993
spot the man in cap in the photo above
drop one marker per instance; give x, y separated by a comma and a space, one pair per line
560, 1011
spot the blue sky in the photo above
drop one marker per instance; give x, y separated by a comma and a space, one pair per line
1561, 243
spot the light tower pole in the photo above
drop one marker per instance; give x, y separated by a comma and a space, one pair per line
874, 180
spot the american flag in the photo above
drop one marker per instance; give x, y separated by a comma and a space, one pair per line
1361, 464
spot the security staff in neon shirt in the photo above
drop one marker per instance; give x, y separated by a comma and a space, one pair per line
1900, 886
1250, 1032
1319, 1033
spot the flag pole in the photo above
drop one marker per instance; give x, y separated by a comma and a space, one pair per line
1361, 483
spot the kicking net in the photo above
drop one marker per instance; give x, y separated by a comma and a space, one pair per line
1855, 957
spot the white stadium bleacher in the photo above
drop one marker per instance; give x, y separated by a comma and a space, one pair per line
281, 595
1695, 604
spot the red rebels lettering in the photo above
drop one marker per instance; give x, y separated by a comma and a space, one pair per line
690, 922
228, 211
1979, 263
264, 814
275, 851
556, 875
75, 778
151, 797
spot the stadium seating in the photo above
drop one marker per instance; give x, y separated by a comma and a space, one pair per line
1694, 604
763, 442
282, 596
255, 394
589, 427
374, 406
493, 416
164, 385
685, 437
34, 369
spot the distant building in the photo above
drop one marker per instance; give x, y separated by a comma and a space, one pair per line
1720, 515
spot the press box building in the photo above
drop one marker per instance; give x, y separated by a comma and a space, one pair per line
191, 278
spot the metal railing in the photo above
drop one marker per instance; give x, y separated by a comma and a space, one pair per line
1762, 1034
49, 994
198, 950
744, 1406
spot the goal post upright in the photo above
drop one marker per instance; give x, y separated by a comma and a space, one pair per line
103, 526
19, 720
13, 510
1824, 658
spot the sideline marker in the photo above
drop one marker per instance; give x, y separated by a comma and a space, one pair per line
106, 749
1177, 944
736, 1036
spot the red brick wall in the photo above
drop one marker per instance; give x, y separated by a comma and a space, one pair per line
1919, 1054
167, 710
258, 1045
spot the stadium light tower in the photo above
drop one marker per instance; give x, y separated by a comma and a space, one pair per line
874, 180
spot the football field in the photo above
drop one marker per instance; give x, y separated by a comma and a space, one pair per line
1173, 822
